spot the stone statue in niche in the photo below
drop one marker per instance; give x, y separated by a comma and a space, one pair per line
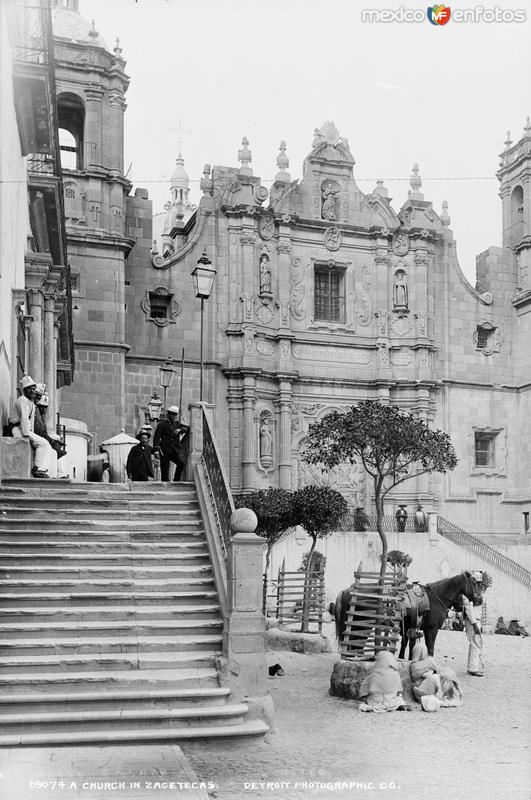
329, 206
265, 275
400, 291
266, 443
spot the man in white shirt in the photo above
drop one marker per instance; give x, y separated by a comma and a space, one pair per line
23, 420
473, 634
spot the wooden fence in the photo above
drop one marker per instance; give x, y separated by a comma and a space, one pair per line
290, 596
374, 616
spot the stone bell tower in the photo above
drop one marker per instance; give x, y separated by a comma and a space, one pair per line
515, 191
91, 86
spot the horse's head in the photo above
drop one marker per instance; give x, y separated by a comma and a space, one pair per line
472, 589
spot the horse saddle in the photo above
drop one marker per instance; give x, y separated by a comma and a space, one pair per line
416, 601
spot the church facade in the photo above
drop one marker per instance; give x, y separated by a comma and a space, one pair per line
323, 296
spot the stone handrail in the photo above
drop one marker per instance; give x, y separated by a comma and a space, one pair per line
484, 551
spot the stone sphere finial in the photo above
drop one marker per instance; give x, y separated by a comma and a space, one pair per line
527, 126
244, 520
93, 33
508, 142
282, 175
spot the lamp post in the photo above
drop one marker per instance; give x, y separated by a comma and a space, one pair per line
203, 276
166, 376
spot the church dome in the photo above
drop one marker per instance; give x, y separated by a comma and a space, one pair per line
179, 178
69, 24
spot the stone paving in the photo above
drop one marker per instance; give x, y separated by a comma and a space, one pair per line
331, 750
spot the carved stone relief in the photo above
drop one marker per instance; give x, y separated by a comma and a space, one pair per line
266, 226
285, 348
401, 326
332, 239
298, 290
401, 358
335, 354
383, 353
422, 323
264, 315
400, 292
382, 318
248, 304
363, 303
400, 244
264, 347
284, 314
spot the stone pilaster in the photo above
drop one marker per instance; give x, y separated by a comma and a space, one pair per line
117, 108
49, 345
92, 144
284, 453
249, 439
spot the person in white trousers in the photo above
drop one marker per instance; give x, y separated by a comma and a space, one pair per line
473, 634
23, 419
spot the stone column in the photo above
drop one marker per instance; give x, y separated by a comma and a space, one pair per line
36, 337
249, 439
284, 455
117, 108
54, 400
49, 355
92, 142
247, 671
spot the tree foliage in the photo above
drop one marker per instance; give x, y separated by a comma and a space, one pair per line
317, 509
392, 445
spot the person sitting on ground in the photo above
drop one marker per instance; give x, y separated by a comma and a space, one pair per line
515, 629
501, 628
139, 465
381, 689
430, 680
168, 440
23, 419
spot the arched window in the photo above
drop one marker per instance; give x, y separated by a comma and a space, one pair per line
68, 148
71, 117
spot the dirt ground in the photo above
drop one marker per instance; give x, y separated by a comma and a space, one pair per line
325, 748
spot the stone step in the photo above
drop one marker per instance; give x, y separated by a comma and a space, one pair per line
37, 516
116, 574
245, 730
110, 644
80, 629
108, 680
110, 720
79, 612
117, 599
12, 548
140, 586
70, 502
133, 522
20, 561
115, 700
94, 662
47, 487
175, 535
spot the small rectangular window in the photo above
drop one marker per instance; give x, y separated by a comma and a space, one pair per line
329, 294
484, 450
158, 306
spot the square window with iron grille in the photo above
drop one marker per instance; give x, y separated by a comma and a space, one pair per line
484, 336
329, 294
485, 450
159, 305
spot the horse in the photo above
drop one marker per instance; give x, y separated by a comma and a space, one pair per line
442, 595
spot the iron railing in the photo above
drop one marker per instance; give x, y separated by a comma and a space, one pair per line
217, 482
484, 551
350, 522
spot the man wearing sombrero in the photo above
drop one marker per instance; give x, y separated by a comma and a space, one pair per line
23, 420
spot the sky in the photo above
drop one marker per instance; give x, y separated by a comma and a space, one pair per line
272, 70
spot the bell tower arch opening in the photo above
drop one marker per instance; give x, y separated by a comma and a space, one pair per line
71, 123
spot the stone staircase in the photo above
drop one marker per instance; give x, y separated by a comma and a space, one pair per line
110, 626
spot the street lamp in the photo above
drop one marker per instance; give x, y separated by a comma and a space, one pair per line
166, 376
154, 407
203, 276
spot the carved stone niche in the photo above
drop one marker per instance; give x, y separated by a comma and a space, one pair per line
400, 292
266, 278
266, 441
330, 191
